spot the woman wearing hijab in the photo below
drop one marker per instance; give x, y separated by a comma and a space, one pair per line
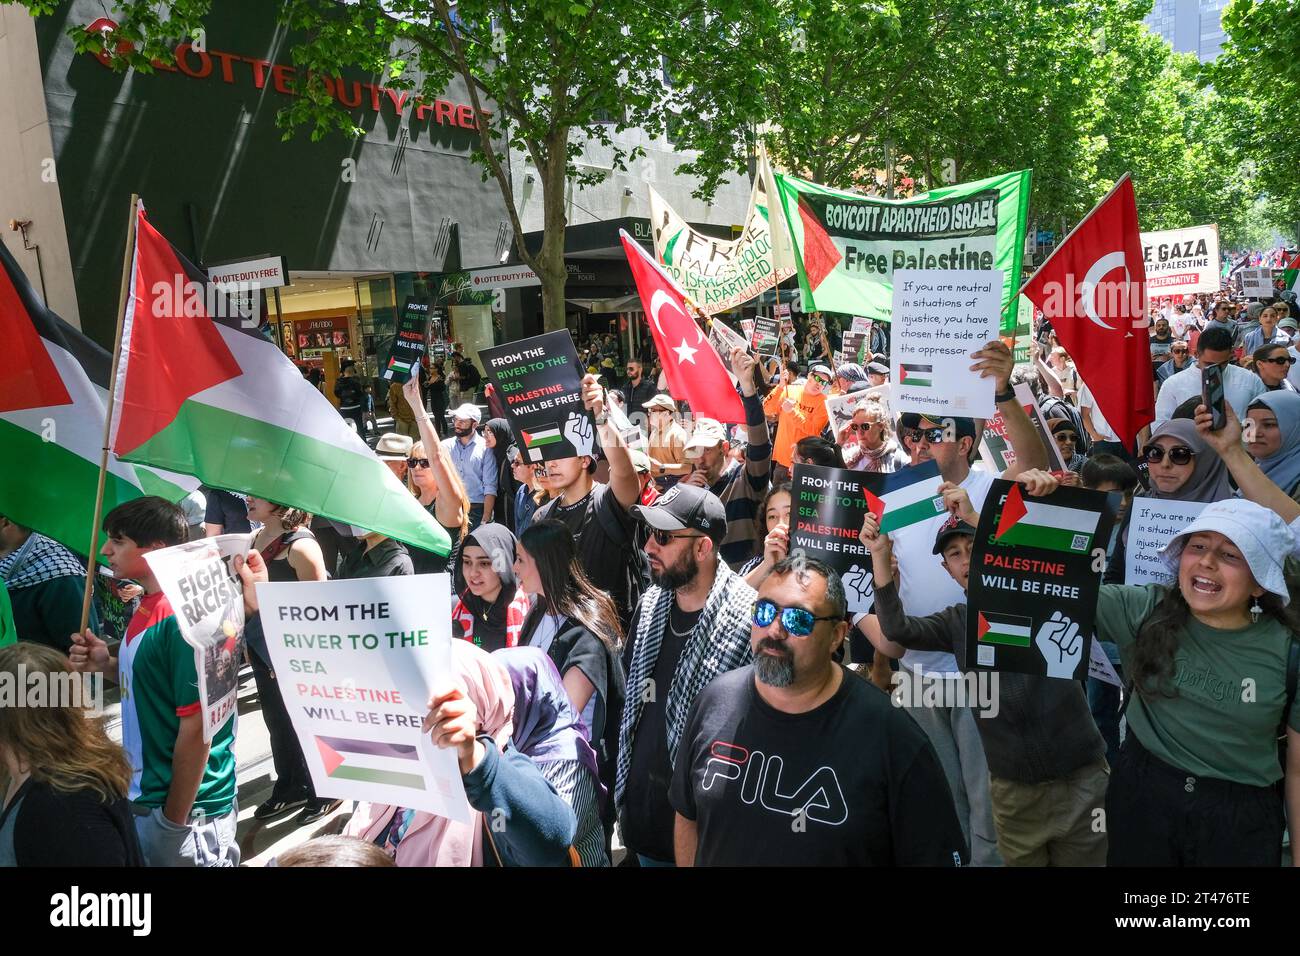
501, 783
490, 609
549, 732
1275, 438
1182, 467
498, 437
1067, 440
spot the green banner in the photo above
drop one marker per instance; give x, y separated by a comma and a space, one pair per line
847, 246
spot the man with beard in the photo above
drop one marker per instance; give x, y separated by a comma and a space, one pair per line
690, 627
795, 762
475, 463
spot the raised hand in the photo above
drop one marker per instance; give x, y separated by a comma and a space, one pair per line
1038, 482
579, 432
88, 654
1061, 645
411, 392
777, 544
452, 722
994, 359
958, 503
871, 537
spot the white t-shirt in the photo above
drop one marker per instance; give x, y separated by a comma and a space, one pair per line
924, 586
1240, 388
1098, 419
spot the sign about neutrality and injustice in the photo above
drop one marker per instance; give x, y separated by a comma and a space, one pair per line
718, 274
205, 593
941, 318
1035, 568
996, 453
357, 662
848, 247
1182, 261
540, 381
1152, 523
411, 341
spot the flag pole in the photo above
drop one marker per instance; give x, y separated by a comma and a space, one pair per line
128, 256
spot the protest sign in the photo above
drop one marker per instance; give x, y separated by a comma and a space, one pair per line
852, 345
1182, 261
1152, 522
747, 328
208, 599
1257, 283
860, 324
1099, 665
411, 341
996, 453
826, 518
357, 663
629, 432
1035, 568
540, 380
767, 335
850, 247
718, 274
942, 317
724, 340
844, 409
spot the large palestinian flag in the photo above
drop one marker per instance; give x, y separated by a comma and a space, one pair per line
202, 394
847, 246
53, 397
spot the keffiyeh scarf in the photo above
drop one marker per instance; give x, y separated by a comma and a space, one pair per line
40, 559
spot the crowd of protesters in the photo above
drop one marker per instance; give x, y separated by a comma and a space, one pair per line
648, 672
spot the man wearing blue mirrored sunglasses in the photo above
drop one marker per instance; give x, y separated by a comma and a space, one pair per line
795, 761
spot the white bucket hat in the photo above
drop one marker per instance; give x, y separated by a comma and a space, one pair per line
1262, 537
467, 411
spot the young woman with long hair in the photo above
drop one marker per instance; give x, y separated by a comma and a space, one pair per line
291, 553
578, 628
772, 536
65, 802
433, 478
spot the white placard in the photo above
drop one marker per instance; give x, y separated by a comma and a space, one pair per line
1099, 665
207, 598
1257, 283
357, 662
861, 324
264, 272
940, 318
840, 409
1182, 261
1154, 521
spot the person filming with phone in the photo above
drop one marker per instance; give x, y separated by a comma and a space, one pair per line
1213, 349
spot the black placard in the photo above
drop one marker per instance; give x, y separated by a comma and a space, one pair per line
1035, 568
826, 519
411, 341
767, 335
540, 382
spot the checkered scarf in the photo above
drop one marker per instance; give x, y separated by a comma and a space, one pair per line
719, 643
39, 560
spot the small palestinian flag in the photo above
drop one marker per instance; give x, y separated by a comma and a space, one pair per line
918, 376
1009, 629
1036, 524
535, 439
394, 365
371, 761
903, 497
1291, 276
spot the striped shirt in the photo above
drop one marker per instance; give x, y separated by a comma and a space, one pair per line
577, 787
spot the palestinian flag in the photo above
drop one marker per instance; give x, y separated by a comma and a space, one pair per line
371, 761
1036, 524
535, 439
918, 376
1009, 629
53, 398
394, 365
903, 497
1291, 276
205, 395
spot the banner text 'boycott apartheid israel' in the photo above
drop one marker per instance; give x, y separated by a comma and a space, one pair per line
847, 246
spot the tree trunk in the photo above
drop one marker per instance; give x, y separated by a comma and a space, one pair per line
550, 259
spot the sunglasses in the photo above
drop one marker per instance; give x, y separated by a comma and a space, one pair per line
1180, 351
417, 463
932, 435
662, 538
822, 379
795, 621
1281, 360
1178, 455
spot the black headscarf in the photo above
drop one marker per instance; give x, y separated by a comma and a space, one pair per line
490, 619
506, 486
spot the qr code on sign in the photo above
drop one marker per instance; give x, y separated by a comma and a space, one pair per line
959, 401
1079, 543
985, 656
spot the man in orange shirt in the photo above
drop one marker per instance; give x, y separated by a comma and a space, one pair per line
800, 411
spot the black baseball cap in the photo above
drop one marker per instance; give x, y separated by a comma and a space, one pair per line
952, 526
684, 507
962, 427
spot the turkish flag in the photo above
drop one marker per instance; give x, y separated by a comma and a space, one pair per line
695, 373
1093, 289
